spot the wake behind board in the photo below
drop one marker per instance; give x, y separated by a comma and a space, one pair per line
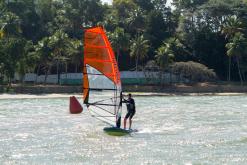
115, 131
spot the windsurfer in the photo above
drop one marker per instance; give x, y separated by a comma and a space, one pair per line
131, 110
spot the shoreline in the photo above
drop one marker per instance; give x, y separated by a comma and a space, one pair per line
135, 94
58, 91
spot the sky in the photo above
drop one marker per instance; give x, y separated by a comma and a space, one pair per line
110, 1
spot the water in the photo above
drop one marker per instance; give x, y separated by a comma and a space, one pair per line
172, 130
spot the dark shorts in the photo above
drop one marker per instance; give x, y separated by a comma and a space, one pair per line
130, 114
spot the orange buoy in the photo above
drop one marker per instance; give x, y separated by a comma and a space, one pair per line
74, 105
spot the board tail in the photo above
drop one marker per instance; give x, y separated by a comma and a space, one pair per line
74, 106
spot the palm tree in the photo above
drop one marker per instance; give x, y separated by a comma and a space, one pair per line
75, 53
10, 25
139, 48
1, 33
10, 31
44, 56
136, 20
164, 56
28, 60
237, 47
119, 40
59, 43
231, 27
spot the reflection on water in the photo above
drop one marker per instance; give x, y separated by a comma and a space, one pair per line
171, 130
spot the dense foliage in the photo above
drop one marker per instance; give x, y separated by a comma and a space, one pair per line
45, 36
193, 71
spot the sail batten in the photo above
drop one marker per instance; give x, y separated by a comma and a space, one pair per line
97, 89
102, 61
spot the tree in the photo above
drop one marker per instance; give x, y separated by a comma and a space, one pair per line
37, 34
29, 19
12, 50
146, 5
123, 8
12, 44
119, 40
59, 43
164, 57
237, 47
231, 27
74, 53
1, 33
188, 4
193, 71
28, 60
139, 48
136, 20
10, 25
156, 28
44, 54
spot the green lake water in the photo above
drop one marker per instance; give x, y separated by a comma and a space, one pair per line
171, 130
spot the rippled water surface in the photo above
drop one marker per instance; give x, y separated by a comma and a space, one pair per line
171, 130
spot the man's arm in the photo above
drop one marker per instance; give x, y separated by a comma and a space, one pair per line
124, 101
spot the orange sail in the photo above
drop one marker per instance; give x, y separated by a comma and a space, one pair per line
100, 72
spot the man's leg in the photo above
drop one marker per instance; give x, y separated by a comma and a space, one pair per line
130, 119
125, 119
125, 122
130, 122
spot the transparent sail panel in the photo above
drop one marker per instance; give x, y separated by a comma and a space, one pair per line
98, 81
104, 105
103, 99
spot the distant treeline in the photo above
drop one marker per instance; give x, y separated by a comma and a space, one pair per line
45, 36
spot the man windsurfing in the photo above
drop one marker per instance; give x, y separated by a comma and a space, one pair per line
131, 110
